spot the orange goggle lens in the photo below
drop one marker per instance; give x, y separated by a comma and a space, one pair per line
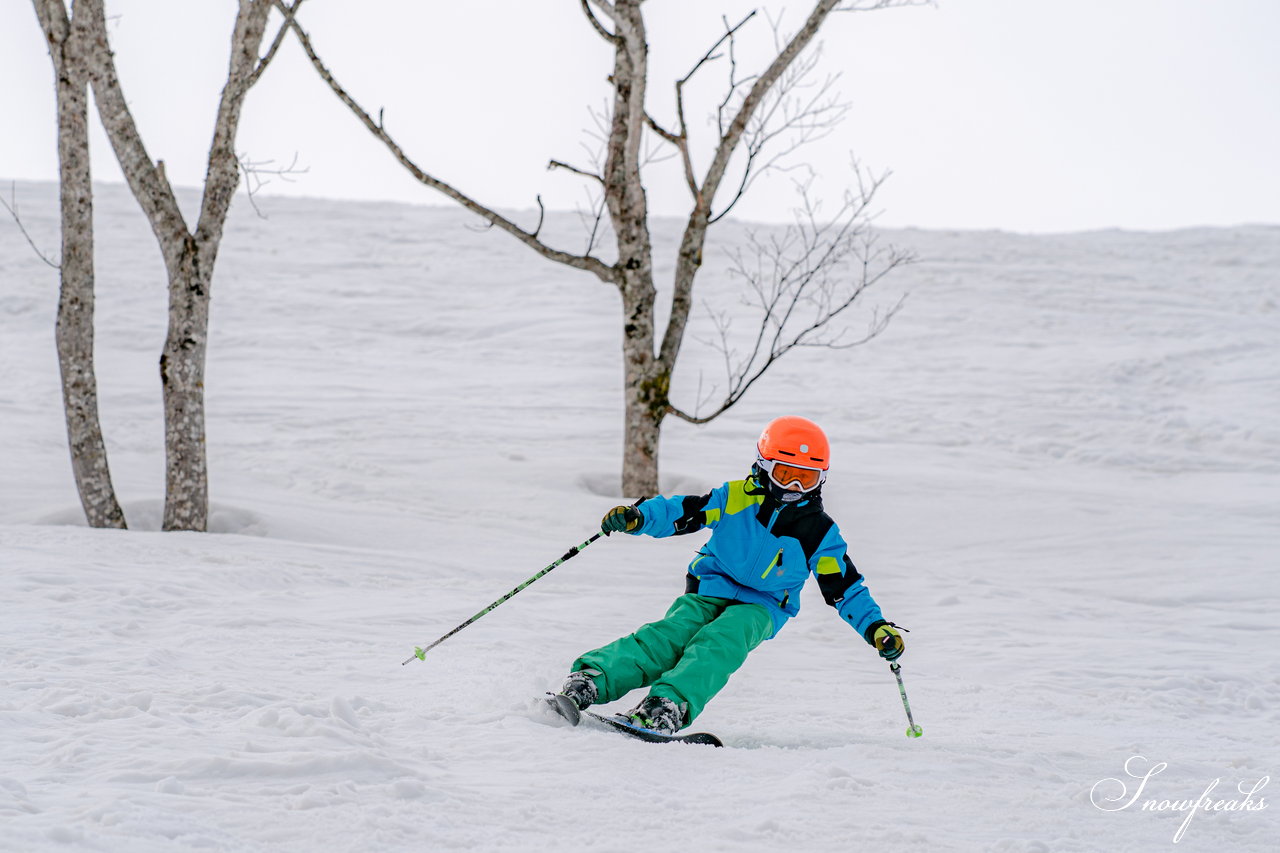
785, 475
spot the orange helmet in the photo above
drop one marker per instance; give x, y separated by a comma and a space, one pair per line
796, 440
794, 452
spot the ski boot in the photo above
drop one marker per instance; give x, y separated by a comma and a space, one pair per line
659, 714
580, 688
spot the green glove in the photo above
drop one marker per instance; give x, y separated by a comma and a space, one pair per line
886, 639
625, 518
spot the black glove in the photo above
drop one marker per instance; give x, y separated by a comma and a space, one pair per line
886, 639
626, 518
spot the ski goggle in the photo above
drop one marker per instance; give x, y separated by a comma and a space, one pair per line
786, 475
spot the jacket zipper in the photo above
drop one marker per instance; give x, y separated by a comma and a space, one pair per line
777, 558
768, 528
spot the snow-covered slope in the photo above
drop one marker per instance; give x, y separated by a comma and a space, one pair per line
1059, 467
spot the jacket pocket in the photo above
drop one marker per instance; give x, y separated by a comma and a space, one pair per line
777, 558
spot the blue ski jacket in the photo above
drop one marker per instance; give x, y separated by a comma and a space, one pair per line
762, 551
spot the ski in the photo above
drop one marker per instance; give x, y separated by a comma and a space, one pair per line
622, 725
564, 707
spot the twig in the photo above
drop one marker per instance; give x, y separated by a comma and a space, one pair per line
542, 215
254, 170
13, 211
558, 164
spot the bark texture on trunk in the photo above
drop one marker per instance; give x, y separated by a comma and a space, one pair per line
186, 504
69, 48
645, 386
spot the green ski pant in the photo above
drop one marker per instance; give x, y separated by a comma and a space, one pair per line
687, 656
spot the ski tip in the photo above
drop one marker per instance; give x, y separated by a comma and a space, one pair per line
564, 707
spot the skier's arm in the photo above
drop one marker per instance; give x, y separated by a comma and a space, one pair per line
842, 587
681, 514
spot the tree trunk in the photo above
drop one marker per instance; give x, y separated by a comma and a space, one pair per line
74, 331
645, 386
186, 504
646, 377
640, 455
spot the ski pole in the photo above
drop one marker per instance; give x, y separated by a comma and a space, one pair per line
421, 651
913, 730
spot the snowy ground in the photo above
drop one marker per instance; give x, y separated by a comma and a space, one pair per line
1060, 467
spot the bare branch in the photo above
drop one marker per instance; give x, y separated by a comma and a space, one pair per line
595, 22
557, 164
695, 233
734, 85
289, 12
596, 204
652, 152
729, 140
660, 130
13, 211
686, 157
711, 54
805, 120
609, 8
874, 5
584, 262
784, 112
804, 279
223, 170
146, 178
681, 139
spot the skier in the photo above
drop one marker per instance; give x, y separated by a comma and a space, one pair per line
768, 533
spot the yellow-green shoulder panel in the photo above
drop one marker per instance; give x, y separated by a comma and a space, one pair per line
738, 499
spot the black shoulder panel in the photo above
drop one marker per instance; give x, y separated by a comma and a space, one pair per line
695, 514
808, 528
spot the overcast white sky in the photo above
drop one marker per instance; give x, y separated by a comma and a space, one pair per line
1027, 115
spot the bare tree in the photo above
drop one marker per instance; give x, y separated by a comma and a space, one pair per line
69, 48
756, 112
189, 254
